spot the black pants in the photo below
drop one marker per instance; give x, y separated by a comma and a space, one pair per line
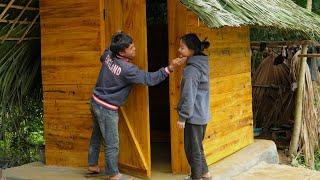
193, 137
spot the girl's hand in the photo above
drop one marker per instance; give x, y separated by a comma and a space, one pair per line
181, 125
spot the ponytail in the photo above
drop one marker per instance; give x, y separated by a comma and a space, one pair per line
204, 44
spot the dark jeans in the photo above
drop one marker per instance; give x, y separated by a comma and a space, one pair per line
193, 137
105, 129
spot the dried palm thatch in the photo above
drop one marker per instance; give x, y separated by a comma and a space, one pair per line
310, 128
273, 99
274, 102
266, 13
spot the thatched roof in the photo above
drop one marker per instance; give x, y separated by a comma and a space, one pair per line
282, 14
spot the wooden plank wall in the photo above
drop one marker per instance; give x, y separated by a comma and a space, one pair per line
71, 45
230, 80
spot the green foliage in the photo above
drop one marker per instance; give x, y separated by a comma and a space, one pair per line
315, 5
317, 160
19, 72
299, 161
21, 133
302, 3
21, 111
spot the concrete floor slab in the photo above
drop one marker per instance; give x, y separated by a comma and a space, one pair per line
266, 171
245, 159
238, 163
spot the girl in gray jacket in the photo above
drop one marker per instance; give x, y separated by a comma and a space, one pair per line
193, 107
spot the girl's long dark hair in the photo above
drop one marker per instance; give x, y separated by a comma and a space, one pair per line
193, 42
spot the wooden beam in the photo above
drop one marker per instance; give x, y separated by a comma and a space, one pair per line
270, 86
20, 7
284, 43
298, 109
309, 56
134, 138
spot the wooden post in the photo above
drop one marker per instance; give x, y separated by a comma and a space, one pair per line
299, 97
298, 110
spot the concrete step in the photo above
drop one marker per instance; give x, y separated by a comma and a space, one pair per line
239, 162
243, 160
37, 171
266, 171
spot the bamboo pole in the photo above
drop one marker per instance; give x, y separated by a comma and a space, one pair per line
20, 7
299, 97
16, 20
18, 39
28, 29
310, 56
298, 110
6, 9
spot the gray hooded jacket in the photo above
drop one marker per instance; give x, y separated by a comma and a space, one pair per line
193, 106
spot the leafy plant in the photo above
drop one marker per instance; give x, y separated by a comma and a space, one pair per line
299, 161
22, 133
19, 72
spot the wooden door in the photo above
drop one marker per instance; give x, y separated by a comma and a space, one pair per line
130, 17
230, 128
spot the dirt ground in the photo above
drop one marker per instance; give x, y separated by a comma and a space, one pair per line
283, 159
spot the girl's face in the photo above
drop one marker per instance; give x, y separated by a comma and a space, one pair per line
184, 50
